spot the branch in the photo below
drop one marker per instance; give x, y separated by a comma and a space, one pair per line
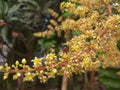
23, 39
108, 6
103, 32
23, 70
14, 50
28, 43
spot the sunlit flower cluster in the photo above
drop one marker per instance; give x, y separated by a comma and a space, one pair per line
91, 4
112, 57
81, 24
107, 1
43, 68
112, 23
67, 6
81, 56
95, 47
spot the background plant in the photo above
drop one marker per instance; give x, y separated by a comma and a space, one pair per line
96, 23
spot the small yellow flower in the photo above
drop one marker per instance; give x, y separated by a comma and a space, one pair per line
65, 55
1, 67
29, 76
50, 56
86, 64
17, 62
8, 68
44, 79
54, 70
24, 61
5, 76
37, 62
16, 76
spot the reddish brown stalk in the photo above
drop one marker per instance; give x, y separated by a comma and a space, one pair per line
19, 81
108, 6
92, 74
23, 70
92, 78
102, 32
63, 64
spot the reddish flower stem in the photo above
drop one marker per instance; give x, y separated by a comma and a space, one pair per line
109, 7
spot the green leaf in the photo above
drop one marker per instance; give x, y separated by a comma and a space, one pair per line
4, 32
1, 9
76, 33
102, 10
66, 14
118, 45
48, 44
100, 53
114, 11
33, 3
14, 19
14, 8
0, 3
30, 4
78, 4
27, 15
114, 83
1, 15
109, 72
5, 7
66, 0
112, 88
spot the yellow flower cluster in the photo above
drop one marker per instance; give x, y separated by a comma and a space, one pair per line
67, 6
112, 58
43, 68
37, 62
72, 8
84, 54
107, 1
91, 4
81, 11
48, 67
68, 24
95, 47
81, 24
112, 23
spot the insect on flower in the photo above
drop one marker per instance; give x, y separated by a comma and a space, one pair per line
65, 48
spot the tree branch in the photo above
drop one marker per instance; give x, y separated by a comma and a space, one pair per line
108, 6
14, 50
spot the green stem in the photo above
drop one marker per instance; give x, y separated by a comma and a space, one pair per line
86, 77
86, 81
